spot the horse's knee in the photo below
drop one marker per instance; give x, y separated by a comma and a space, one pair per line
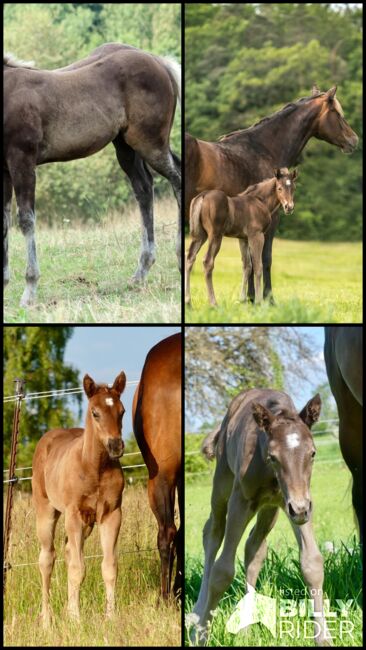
208, 265
26, 220
312, 568
222, 575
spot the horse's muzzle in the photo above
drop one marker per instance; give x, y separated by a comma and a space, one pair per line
115, 447
299, 513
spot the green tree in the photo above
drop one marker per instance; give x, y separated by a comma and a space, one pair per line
36, 354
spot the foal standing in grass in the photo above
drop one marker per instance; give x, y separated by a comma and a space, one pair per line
247, 216
77, 472
264, 455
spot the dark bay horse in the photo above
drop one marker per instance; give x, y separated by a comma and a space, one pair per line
343, 359
248, 216
264, 453
158, 430
248, 156
118, 94
77, 472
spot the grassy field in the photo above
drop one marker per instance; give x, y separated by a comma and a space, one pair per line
313, 282
140, 619
333, 522
85, 272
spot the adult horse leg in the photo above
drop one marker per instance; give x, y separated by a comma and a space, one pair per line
267, 258
8, 191
109, 529
311, 562
256, 247
76, 532
247, 267
161, 492
177, 587
46, 520
194, 247
222, 572
142, 184
350, 441
214, 245
23, 176
256, 544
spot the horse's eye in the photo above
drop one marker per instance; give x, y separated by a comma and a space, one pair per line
95, 414
280, 189
272, 458
313, 453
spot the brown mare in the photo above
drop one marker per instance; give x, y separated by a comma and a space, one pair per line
343, 359
264, 454
118, 94
157, 426
250, 155
77, 472
248, 216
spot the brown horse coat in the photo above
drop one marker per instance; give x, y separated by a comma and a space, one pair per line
158, 430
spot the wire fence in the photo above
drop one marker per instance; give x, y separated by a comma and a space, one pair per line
56, 393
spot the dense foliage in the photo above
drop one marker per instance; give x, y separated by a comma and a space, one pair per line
36, 354
245, 61
55, 35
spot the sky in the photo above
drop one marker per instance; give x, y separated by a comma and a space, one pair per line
102, 352
300, 392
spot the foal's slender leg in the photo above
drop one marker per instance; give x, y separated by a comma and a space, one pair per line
168, 165
8, 190
194, 247
222, 572
267, 257
256, 544
177, 587
311, 562
23, 176
46, 520
109, 529
214, 529
247, 267
161, 492
209, 263
256, 246
75, 560
142, 184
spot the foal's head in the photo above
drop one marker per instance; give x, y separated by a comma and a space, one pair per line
289, 449
285, 188
105, 413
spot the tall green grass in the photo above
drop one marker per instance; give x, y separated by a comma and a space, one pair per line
86, 271
140, 620
333, 523
313, 282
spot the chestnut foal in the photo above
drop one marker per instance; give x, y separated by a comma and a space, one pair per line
77, 472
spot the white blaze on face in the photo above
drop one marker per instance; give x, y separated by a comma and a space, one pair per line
288, 183
292, 440
109, 401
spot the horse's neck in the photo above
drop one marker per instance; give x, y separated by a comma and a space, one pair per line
285, 140
268, 194
93, 453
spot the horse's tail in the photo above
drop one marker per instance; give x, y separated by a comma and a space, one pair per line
209, 444
174, 70
195, 225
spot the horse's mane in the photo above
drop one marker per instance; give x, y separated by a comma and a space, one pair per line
285, 110
11, 61
254, 188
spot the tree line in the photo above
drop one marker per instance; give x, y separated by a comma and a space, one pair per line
246, 61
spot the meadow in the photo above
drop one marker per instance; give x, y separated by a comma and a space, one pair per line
335, 534
140, 619
313, 282
86, 268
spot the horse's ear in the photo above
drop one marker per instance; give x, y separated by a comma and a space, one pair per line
330, 95
119, 383
262, 416
315, 91
90, 386
295, 174
311, 411
277, 173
